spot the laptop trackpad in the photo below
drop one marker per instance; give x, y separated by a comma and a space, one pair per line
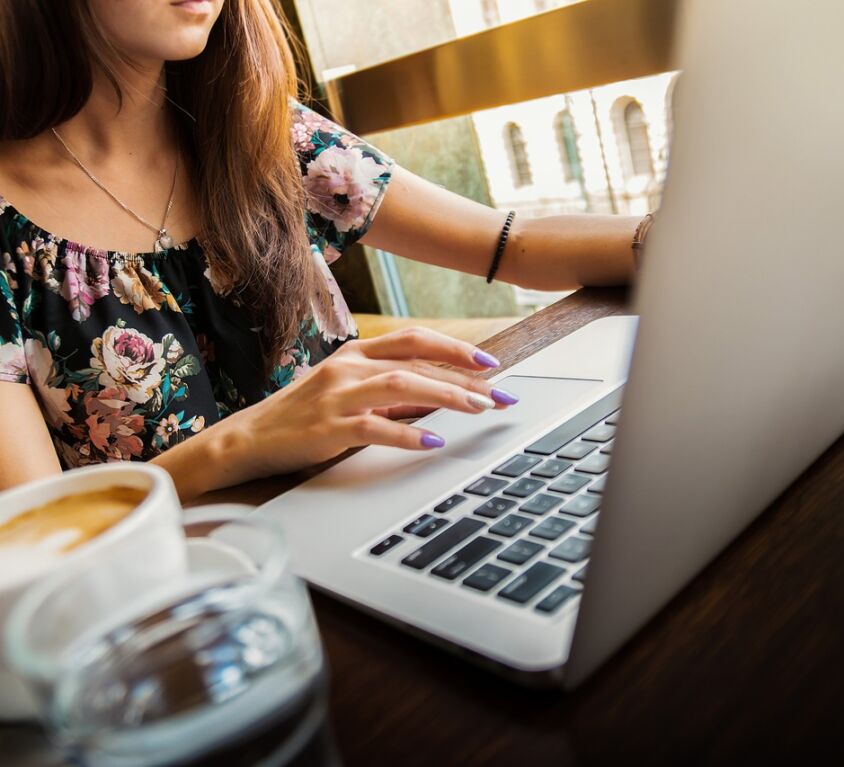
473, 436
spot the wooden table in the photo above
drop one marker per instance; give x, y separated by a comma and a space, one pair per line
746, 665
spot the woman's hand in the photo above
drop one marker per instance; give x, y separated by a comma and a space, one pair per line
348, 400
353, 397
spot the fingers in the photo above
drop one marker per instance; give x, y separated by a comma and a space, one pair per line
375, 430
404, 388
423, 343
500, 396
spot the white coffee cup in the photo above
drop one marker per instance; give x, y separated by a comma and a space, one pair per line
141, 551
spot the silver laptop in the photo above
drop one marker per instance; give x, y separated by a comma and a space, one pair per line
514, 544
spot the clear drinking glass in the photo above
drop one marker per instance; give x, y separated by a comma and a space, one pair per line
223, 666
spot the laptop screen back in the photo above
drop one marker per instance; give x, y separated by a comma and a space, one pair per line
737, 382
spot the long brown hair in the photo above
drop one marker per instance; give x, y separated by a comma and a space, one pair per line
234, 118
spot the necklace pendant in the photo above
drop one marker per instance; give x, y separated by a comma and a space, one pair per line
163, 242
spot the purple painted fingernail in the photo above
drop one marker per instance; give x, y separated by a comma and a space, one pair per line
432, 440
504, 397
485, 359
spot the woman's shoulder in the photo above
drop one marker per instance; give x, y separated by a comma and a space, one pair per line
21, 161
344, 176
11, 176
314, 133
27, 176
11, 182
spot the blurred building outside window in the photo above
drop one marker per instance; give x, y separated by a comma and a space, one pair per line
611, 178
517, 151
633, 141
481, 14
489, 9
567, 145
601, 150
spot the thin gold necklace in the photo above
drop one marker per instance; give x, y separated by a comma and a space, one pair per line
163, 239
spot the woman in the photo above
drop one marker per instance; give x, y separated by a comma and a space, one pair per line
192, 338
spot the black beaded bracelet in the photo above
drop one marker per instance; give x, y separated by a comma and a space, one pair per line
502, 242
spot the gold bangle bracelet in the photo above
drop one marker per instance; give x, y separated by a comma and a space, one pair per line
638, 244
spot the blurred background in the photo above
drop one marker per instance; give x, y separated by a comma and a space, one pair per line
405, 75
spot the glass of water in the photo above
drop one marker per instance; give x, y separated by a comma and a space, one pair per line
221, 666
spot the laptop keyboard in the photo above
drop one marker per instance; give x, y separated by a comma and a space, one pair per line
522, 531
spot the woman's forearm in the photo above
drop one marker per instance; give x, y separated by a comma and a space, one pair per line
205, 462
562, 252
427, 223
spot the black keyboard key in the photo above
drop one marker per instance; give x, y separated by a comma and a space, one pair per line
594, 464
527, 585
382, 548
552, 528
494, 507
541, 504
486, 486
551, 469
580, 575
426, 526
459, 562
598, 485
449, 503
432, 527
553, 441
517, 465
556, 599
510, 525
590, 526
524, 487
572, 549
576, 450
487, 577
600, 433
566, 432
520, 552
446, 540
582, 505
569, 483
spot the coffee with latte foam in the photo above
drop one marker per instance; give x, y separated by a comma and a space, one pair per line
66, 523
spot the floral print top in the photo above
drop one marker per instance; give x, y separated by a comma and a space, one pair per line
131, 353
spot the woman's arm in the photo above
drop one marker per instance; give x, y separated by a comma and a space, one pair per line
26, 451
352, 398
427, 223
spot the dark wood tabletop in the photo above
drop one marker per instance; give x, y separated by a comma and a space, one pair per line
745, 665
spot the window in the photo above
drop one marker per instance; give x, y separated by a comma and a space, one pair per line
567, 145
517, 149
634, 142
489, 8
669, 106
489, 155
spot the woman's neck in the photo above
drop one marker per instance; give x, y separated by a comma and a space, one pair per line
136, 125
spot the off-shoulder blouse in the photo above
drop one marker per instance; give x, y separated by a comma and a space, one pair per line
131, 353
